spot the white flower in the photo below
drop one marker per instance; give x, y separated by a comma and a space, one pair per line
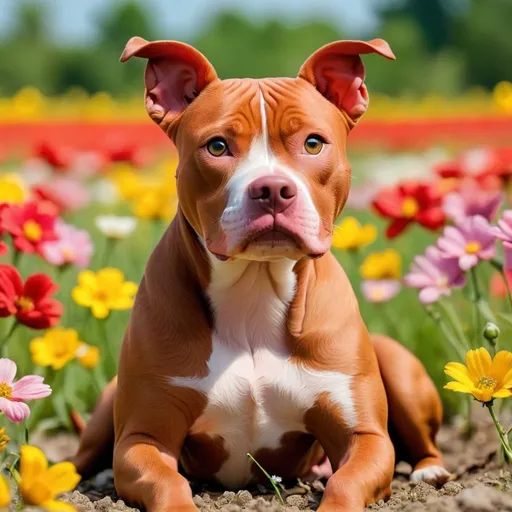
113, 226
276, 479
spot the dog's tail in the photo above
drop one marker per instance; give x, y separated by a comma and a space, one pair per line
97, 436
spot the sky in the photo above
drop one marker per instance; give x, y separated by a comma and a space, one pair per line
73, 21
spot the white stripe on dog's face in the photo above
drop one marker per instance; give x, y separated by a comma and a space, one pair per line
259, 162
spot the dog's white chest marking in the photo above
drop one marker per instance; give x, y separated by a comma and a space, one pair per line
255, 392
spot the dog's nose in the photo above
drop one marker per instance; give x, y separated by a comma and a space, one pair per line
273, 194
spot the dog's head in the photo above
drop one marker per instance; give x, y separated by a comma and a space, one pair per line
263, 172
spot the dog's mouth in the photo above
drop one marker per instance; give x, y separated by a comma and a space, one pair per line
273, 237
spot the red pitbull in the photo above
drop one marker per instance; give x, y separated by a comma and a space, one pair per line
246, 335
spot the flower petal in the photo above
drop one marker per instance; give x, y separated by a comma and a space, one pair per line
30, 387
15, 411
429, 295
7, 370
33, 463
459, 372
458, 387
501, 365
62, 477
502, 393
479, 363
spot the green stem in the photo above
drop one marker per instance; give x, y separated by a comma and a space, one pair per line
16, 258
454, 342
109, 249
501, 432
477, 320
274, 485
451, 314
5, 339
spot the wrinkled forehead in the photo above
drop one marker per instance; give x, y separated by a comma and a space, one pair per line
243, 108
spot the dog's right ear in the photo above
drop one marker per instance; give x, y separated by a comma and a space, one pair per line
175, 75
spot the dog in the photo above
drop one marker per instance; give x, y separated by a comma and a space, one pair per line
245, 336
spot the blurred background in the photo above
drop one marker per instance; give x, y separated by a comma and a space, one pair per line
76, 139
59, 62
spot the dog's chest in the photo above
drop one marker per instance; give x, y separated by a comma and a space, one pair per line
255, 391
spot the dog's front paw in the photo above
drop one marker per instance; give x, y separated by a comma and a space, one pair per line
436, 476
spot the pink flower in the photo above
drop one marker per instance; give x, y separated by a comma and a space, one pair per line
503, 231
380, 290
66, 194
472, 200
73, 246
470, 241
434, 275
14, 394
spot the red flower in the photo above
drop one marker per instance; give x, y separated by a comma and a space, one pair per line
58, 158
28, 225
408, 203
4, 249
31, 302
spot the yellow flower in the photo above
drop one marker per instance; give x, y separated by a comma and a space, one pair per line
482, 377
56, 348
4, 439
40, 485
126, 180
88, 355
156, 201
5, 493
104, 291
12, 190
350, 235
382, 265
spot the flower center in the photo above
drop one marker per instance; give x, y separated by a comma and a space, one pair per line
25, 303
442, 282
68, 254
101, 295
5, 391
32, 231
410, 207
486, 383
473, 247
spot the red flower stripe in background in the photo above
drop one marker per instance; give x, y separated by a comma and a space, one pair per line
3, 246
28, 226
408, 203
30, 302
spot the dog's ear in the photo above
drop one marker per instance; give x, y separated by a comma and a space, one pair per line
337, 71
175, 74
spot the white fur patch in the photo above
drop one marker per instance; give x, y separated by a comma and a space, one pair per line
430, 474
255, 393
260, 161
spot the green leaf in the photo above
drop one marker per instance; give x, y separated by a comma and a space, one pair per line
60, 406
507, 317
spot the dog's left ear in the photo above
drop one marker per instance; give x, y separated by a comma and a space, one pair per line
337, 71
176, 73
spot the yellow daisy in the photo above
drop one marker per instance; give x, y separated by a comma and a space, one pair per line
483, 377
350, 235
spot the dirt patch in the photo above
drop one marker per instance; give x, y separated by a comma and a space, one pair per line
481, 485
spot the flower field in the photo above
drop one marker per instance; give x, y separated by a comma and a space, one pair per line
426, 238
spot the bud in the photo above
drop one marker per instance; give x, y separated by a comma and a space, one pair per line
491, 332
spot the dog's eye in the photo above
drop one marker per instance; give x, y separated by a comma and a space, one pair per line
217, 147
314, 144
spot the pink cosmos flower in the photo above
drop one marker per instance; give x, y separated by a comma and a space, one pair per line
73, 246
471, 200
469, 241
434, 275
503, 231
14, 394
380, 290
66, 194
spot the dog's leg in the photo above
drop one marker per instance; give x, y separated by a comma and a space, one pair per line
362, 455
415, 410
149, 443
97, 440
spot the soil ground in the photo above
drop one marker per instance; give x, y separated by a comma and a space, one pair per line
480, 484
